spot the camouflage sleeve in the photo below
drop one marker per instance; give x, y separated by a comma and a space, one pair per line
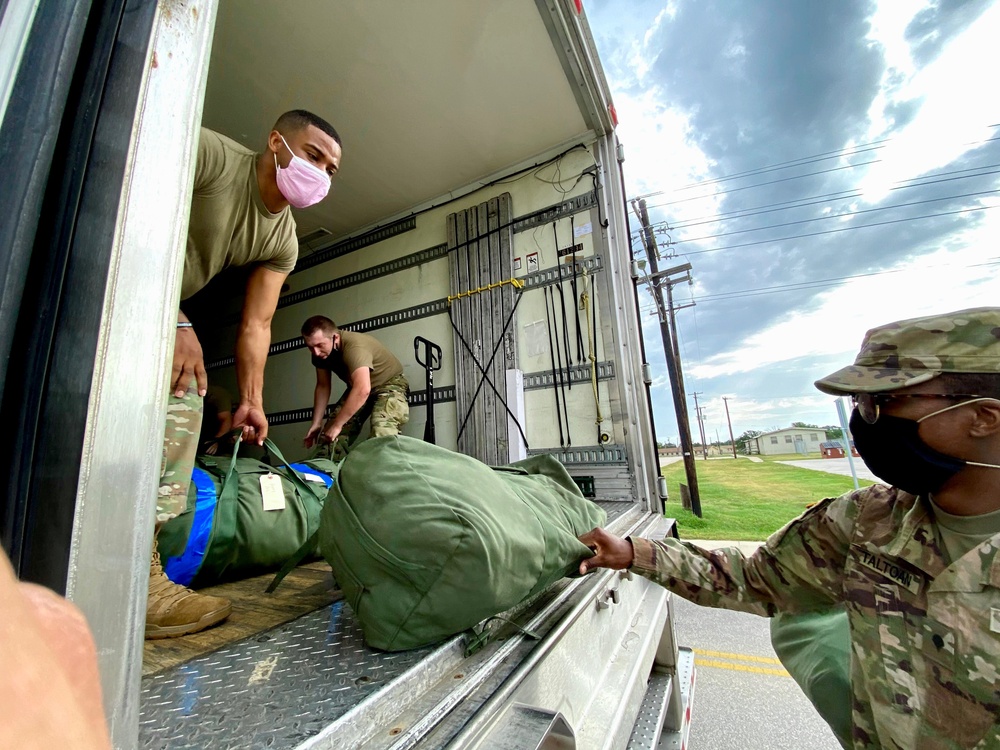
799, 568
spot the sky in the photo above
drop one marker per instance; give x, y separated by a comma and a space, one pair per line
824, 168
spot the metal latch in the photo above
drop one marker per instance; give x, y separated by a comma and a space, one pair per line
607, 598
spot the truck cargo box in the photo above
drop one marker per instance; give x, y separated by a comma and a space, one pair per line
480, 205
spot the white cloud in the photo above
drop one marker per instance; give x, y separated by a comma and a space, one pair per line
642, 53
952, 98
662, 136
955, 107
748, 413
950, 278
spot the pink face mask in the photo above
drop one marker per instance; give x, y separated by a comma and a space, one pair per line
300, 182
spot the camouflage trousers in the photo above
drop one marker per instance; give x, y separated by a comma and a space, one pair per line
386, 405
180, 443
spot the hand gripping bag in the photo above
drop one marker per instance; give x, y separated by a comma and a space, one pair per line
225, 534
426, 543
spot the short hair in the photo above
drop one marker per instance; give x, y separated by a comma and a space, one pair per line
298, 119
976, 383
319, 323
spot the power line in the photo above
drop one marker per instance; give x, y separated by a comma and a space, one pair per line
817, 283
836, 153
663, 226
839, 153
816, 199
823, 156
810, 285
769, 182
835, 216
835, 231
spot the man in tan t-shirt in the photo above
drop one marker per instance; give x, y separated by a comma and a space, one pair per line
240, 216
376, 387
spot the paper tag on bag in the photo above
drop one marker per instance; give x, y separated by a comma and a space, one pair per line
271, 492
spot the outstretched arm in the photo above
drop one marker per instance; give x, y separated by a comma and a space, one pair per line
252, 343
321, 399
799, 568
361, 387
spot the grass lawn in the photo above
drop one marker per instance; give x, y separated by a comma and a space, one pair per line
746, 501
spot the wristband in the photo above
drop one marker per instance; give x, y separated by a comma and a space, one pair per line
184, 324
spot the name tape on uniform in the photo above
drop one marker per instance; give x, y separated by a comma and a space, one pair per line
271, 492
890, 570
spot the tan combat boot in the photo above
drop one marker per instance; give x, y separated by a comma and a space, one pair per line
173, 610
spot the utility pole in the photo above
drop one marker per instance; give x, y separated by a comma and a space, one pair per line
701, 428
718, 441
732, 442
701, 423
670, 350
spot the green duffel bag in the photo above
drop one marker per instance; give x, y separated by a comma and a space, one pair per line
226, 534
815, 648
426, 543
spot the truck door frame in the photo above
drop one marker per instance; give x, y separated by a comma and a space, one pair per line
93, 319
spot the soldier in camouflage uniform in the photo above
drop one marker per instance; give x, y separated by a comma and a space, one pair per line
917, 564
376, 387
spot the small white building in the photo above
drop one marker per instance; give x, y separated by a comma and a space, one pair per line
801, 440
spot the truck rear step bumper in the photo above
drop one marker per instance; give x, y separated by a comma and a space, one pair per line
649, 732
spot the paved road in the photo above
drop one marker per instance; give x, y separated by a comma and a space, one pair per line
743, 698
835, 466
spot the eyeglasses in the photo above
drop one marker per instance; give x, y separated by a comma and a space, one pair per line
868, 404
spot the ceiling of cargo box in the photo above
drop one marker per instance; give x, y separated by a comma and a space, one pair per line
428, 95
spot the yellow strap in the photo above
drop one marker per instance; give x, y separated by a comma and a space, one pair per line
516, 283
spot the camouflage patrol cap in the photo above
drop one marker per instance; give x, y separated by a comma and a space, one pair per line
914, 351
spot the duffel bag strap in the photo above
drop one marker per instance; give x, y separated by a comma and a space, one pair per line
230, 492
293, 562
475, 640
311, 489
219, 557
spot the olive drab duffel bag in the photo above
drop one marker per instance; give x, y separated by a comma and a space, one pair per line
426, 543
243, 517
815, 648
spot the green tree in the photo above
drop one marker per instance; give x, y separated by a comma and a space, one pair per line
832, 432
746, 437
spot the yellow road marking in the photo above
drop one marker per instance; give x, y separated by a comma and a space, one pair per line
740, 667
733, 664
737, 657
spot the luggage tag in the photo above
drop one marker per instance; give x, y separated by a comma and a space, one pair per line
271, 492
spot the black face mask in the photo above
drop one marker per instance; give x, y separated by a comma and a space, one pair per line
894, 452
